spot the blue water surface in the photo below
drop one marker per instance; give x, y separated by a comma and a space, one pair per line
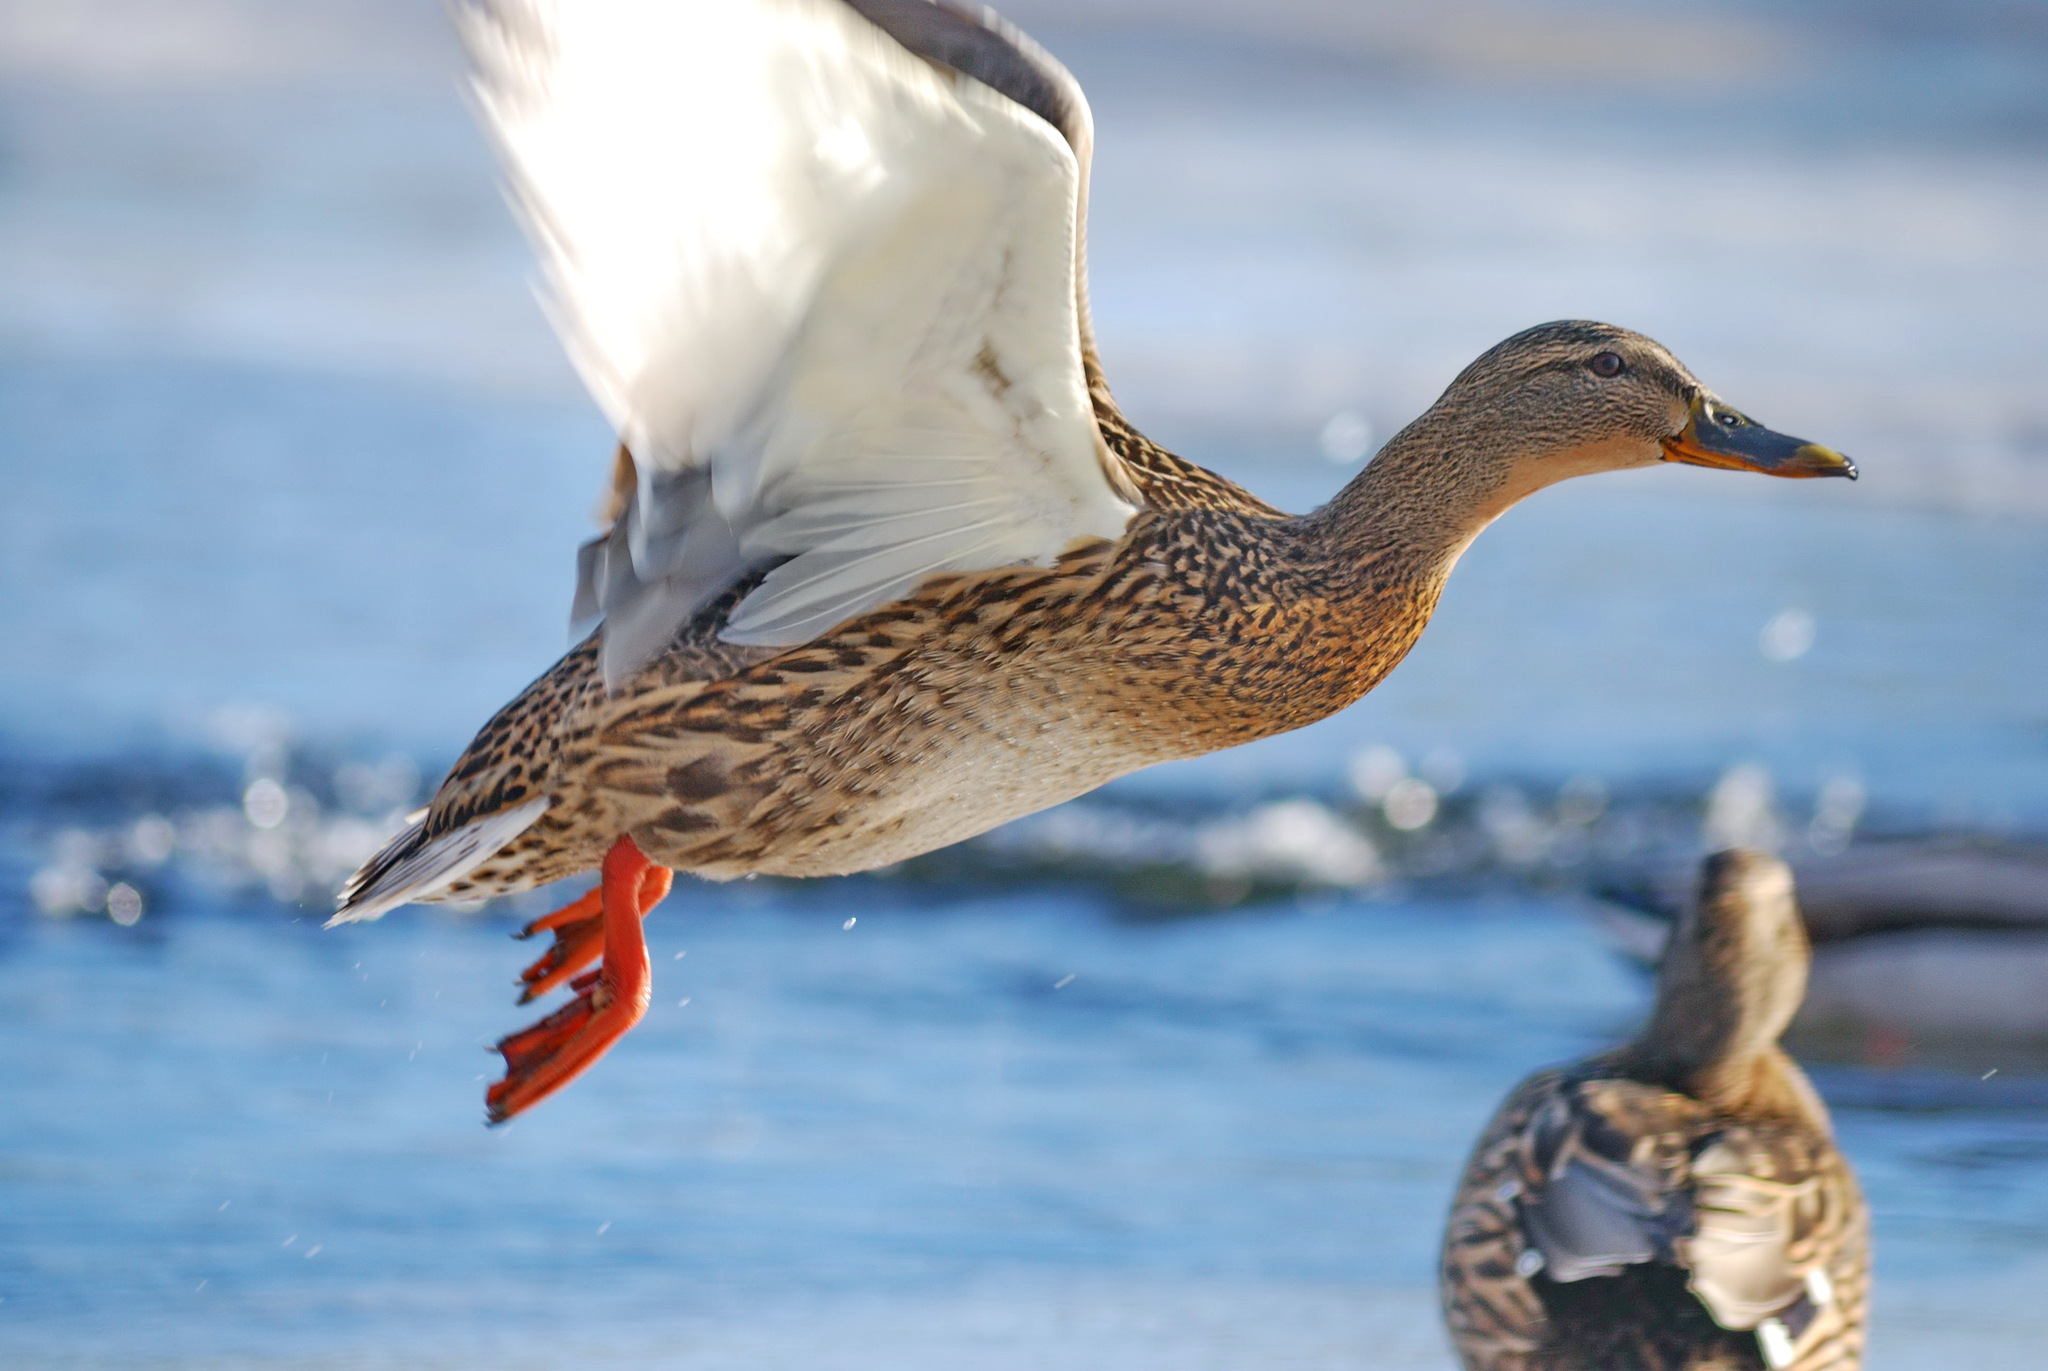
978, 1126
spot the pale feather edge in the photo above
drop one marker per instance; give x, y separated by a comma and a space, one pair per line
439, 864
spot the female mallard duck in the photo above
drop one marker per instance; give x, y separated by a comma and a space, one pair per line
886, 566
1677, 1204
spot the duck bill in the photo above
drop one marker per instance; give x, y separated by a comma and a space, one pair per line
1716, 436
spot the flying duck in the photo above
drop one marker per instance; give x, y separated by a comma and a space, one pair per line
885, 565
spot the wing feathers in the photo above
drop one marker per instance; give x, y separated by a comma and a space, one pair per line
828, 291
994, 52
820, 586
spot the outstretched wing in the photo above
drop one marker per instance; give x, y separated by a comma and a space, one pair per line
818, 260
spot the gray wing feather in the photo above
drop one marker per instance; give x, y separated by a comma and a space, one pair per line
649, 575
1591, 1221
1597, 1209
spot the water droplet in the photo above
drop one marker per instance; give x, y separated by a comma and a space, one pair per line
1741, 810
124, 905
1376, 771
1443, 769
265, 803
1788, 636
1346, 437
151, 840
1582, 799
1410, 805
67, 889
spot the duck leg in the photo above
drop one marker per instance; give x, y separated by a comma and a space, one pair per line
545, 1057
579, 934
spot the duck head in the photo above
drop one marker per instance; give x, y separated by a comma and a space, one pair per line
1555, 401
1575, 397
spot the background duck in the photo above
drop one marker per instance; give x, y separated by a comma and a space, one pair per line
1678, 1203
886, 567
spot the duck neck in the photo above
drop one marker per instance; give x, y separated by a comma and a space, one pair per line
1695, 1043
1415, 508
1714, 1036
1764, 1082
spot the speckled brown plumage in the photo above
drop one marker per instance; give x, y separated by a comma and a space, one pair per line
1151, 475
1214, 621
981, 697
1701, 1116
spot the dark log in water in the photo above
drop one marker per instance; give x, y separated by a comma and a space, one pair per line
1880, 887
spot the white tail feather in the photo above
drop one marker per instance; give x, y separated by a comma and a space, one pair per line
408, 869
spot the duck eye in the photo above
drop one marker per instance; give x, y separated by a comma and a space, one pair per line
1607, 364
1728, 418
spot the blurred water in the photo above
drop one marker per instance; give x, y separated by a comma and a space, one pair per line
1004, 1132
285, 439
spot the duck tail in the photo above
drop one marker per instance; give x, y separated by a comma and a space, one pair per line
418, 863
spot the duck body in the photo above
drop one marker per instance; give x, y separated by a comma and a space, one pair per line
1669, 1206
984, 697
1658, 1158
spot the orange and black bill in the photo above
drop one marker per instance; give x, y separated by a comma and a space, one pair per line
1716, 436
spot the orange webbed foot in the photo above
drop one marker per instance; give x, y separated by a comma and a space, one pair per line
545, 1057
578, 927
579, 937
